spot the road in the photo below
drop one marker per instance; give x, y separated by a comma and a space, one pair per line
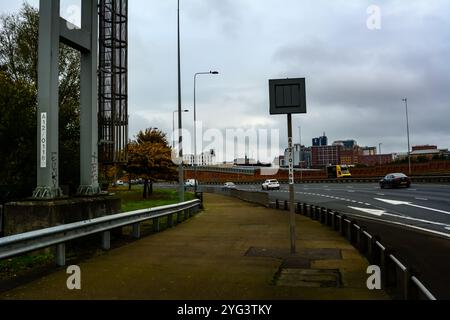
424, 206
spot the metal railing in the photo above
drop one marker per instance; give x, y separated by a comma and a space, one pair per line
396, 276
57, 236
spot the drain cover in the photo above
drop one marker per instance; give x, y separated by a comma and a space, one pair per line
309, 278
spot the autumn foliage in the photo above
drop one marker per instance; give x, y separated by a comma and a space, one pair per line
149, 158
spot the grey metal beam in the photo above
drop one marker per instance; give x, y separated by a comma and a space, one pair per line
88, 107
74, 37
48, 108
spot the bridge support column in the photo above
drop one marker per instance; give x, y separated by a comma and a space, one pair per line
48, 105
88, 104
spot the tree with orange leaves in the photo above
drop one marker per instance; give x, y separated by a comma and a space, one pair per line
149, 158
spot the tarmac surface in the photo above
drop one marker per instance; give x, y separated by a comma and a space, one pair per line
232, 250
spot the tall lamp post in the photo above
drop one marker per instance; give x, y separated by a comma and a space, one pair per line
173, 127
195, 123
180, 124
379, 150
405, 100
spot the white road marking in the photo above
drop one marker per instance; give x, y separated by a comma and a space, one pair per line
384, 213
374, 212
423, 199
397, 203
351, 191
380, 194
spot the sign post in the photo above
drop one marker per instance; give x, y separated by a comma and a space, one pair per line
288, 96
292, 226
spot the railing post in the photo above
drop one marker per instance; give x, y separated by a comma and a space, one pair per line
323, 215
156, 227
286, 205
406, 284
106, 240
277, 204
179, 217
170, 220
60, 255
136, 233
333, 220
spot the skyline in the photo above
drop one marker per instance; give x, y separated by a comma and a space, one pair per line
356, 77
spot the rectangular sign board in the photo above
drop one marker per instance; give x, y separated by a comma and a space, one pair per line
287, 96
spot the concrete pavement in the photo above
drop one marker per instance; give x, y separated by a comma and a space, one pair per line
232, 250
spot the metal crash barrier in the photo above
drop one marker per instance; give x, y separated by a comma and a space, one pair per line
58, 236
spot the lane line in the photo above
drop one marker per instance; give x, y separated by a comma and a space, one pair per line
396, 203
384, 213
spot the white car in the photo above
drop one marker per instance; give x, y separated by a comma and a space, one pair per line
229, 186
271, 184
191, 183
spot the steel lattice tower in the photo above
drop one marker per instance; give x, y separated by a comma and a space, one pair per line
113, 81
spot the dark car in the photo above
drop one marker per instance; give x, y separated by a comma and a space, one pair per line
395, 180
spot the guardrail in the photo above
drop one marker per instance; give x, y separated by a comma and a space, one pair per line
396, 276
57, 236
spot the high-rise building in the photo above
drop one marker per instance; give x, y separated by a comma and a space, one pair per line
320, 141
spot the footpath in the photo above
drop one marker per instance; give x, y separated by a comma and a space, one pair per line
230, 251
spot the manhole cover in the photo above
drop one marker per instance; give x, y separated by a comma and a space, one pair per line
309, 278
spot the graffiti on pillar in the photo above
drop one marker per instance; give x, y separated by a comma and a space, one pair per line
55, 169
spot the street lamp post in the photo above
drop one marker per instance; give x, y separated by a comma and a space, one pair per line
379, 150
173, 127
407, 132
195, 123
180, 124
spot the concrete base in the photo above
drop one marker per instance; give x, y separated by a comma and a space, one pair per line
25, 216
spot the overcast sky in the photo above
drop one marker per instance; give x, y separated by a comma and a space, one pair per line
356, 76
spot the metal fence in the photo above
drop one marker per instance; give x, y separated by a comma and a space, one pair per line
396, 276
58, 236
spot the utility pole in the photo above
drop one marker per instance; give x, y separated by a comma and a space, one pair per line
180, 123
407, 133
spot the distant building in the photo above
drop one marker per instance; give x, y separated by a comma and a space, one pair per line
320, 141
346, 144
301, 157
325, 155
369, 151
429, 152
245, 162
204, 159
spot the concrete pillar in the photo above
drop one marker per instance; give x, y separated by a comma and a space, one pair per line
48, 104
88, 103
